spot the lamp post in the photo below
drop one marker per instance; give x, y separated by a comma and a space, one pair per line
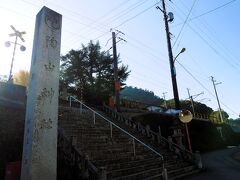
17, 35
170, 18
174, 69
182, 50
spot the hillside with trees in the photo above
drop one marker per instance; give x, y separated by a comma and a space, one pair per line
144, 96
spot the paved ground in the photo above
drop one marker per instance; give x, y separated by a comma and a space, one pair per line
220, 165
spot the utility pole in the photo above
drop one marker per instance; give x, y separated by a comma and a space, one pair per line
116, 79
191, 99
164, 97
219, 107
171, 61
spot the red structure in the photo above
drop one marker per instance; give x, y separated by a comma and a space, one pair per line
13, 171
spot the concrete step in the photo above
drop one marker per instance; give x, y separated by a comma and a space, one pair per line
185, 174
111, 156
116, 153
123, 159
182, 170
98, 140
135, 169
140, 174
127, 164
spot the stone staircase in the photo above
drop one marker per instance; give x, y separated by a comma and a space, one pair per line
113, 153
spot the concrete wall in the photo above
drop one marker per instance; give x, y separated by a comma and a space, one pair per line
11, 136
12, 95
12, 114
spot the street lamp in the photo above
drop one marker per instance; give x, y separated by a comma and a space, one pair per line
17, 34
183, 50
174, 69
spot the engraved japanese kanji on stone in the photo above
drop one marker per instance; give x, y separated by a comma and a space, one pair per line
51, 42
40, 136
52, 21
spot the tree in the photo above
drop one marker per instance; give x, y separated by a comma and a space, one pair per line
88, 73
3, 78
21, 78
199, 108
144, 96
215, 116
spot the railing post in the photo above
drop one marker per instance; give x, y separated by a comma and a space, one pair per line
164, 174
138, 126
198, 160
134, 148
81, 110
111, 133
94, 118
102, 173
159, 139
170, 141
159, 130
147, 130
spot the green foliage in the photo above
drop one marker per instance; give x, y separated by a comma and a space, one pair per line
204, 135
198, 107
235, 121
3, 78
215, 116
22, 78
91, 70
141, 95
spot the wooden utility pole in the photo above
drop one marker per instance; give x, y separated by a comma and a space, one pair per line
171, 61
219, 107
191, 99
116, 79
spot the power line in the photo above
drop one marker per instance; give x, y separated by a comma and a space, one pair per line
209, 44
210, 11
184, 22
224, 48
214, 49
126, 11
203, 86
133, 17
125, 20
135, 5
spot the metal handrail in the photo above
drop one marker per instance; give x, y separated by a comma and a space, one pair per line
161, 137
157, 153
174, 144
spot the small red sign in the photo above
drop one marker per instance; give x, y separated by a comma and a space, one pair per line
13, 171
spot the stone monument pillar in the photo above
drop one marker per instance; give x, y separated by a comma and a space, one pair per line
39, 160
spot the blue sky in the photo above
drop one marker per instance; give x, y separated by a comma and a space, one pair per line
211, 41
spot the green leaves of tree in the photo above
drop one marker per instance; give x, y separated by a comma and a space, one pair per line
91, 70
